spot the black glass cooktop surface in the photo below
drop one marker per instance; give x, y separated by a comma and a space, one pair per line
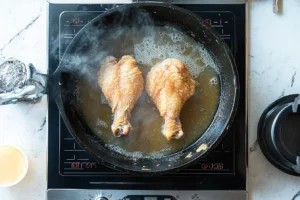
71, 167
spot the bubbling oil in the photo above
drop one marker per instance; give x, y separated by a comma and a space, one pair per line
145, 139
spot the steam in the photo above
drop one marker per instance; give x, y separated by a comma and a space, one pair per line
131, 31
114, 35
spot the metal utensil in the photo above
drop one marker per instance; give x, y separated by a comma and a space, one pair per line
20, 82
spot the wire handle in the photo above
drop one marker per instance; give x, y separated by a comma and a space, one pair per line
296, 103
295, 109
297, 166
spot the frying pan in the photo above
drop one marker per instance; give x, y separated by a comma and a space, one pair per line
102, 37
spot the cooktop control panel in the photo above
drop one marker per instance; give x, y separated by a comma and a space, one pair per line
146, 195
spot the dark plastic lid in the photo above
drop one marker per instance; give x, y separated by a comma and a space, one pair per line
279, 134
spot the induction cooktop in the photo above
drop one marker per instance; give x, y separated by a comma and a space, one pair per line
73, 174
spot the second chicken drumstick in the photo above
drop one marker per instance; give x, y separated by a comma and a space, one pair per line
169, 85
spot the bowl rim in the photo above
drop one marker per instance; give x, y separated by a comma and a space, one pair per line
22, 176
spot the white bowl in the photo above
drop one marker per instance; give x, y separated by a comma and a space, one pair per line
25, 167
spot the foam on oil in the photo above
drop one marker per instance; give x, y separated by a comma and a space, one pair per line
172, 43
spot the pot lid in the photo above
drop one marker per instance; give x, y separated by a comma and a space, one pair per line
279, 134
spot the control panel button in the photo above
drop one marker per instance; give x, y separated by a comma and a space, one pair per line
101, 198
148, 197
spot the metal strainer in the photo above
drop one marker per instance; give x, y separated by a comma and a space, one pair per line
20, 82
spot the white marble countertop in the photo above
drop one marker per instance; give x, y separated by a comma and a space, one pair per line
274, 71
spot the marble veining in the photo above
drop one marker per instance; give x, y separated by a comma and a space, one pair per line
42, 125
253, 147
19, 33
297, 196
293, 79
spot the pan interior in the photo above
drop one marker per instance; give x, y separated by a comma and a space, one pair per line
149, 45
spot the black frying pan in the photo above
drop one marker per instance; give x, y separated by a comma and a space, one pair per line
83, 49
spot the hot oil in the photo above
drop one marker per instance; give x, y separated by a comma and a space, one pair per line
146, 139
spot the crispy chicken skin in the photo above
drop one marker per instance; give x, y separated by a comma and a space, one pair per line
122, 85
169, 85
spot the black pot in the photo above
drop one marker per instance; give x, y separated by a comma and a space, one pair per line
279, 134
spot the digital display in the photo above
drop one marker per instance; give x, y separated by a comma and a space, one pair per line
208, 21
150, 198
75, 20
